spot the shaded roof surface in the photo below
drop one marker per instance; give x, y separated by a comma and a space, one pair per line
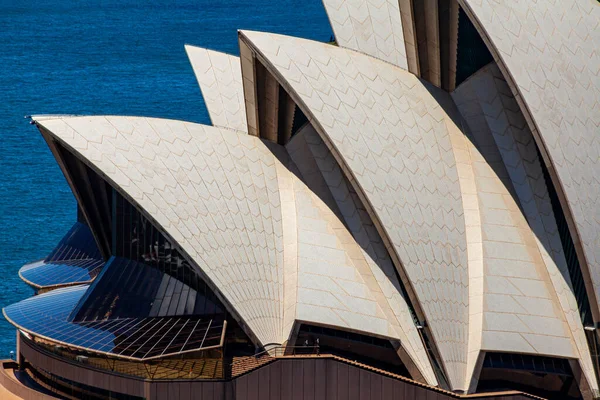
76, 259
389, 131
47, 316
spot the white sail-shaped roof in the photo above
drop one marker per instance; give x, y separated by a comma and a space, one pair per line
526, 286
389, 133
277, 254
549, 54
369, 26
213, 191
220, 78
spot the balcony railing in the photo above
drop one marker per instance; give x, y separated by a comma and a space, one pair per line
208, 365
242, 365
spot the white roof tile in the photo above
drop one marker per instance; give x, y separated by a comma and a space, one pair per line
220, 78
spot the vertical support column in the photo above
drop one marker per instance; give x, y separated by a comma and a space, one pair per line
267, 90
433, 41
452, 43
410, 38
247, 60
19, 357
448, 34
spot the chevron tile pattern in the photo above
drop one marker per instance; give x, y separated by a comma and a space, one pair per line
326, 180
461, 147
371, 27
213, 191
549, 49
333, 283
487, 103
387, 129
239, 209
517, 290
220, 78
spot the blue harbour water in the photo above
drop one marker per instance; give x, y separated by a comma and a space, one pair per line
101, 57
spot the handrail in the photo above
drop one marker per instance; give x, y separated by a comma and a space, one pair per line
162, 369
278, 351
243, 365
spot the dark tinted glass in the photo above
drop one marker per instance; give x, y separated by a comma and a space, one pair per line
76, 259
141, 338
299, 120
530, 363
472, 53
135, 238
132, 289
93, 196
77, 244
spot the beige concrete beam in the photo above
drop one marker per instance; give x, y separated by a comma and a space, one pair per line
410, 38
248, 80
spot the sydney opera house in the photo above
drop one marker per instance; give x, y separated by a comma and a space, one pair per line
409, 212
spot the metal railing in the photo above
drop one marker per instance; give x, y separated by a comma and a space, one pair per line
242, 365
162, 369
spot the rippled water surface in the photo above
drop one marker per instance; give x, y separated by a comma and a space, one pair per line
101, 57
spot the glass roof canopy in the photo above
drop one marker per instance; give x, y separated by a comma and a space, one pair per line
75, 259
145, 338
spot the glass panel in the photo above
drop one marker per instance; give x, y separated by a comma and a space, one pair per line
530, 363
47, 315
472, 53
76, 259
138, 240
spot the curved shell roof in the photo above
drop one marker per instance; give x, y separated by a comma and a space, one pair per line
550, 52
220, 78
388, 185
390, 133
326, 189
212, 190
528, 303
373, 27
240, 209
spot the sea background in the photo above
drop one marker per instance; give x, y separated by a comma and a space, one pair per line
117, 57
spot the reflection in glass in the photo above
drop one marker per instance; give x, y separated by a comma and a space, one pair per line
47, 316
76, 259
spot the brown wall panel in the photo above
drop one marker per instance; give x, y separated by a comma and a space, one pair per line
421, 394
252, 386
275, 381
160, 391
196, 390
309, 379
229, 390
365, 385
81, 374
302, 379
185, 391
376, 382
298, 380
387, 388
287, 379
320, 383
352, 382
208, 390
241, 387
332, 380
219, 392
263, 384
173, 392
